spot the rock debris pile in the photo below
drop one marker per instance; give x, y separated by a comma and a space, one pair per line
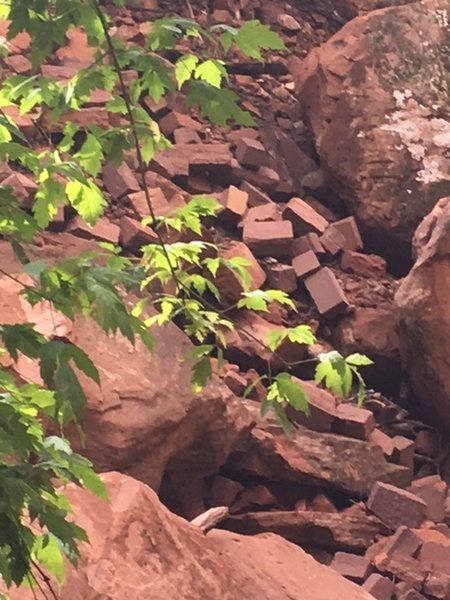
350, 154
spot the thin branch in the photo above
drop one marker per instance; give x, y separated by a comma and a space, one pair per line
141, 163
46, 579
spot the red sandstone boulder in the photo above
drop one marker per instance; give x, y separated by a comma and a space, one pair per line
139, 550
372, 95
425, 316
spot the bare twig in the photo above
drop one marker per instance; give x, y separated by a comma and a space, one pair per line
209, 519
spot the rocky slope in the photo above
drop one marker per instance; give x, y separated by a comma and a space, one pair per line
350, 153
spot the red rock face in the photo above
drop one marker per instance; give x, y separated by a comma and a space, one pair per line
138, 549
425, 316
363, 108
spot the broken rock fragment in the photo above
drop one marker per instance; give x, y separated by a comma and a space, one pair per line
313, 458
133, 235
396, 507
349, 229
403, 451
351, 566
255, 196
332, 240
282, 277
322, 408
251, 153
119, 181
175, 120
269, 238
433, 491
354, 421
326, 292
103, 230
380, 587
329, 531
263, 212
304, 218
367, 265
305, 264
310, 241
234, 202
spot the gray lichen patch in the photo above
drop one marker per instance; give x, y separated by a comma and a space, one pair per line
410, 57
427, 138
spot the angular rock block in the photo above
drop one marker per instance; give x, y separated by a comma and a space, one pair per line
326, 292
396, 507
273, 238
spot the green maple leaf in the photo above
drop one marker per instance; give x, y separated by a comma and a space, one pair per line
358, 360
87, 200
90, 155
184, 68
211, 71
253, 37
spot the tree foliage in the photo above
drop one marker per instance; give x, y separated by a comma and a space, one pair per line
35, 529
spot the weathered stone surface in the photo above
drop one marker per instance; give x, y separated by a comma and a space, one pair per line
133, 235
269, 238
223, 491
305, 264
351, 566
234, 203
427, 443
397, 556
119, 180
331, 531
354, 421
367, 265
309, 457
282, 277
138, 549
304, 219
433, 491
144, 423
144, 420
377, 100
251, 153
381, 588
396, 507
425, 317
103, 230
326, 292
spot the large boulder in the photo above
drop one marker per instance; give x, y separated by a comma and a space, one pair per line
423, 300
312, 458
139, 550
144, 420
377, 97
